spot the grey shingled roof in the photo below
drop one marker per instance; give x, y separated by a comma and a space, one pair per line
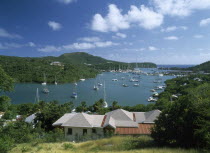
63, 119
120, 118
30, 119
147, 117
80, 120
116, 118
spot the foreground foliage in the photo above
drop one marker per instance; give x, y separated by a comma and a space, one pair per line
114, 144
185, 122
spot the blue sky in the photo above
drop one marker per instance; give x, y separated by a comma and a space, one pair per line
160, 31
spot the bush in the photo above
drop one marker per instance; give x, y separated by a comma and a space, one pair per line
68, 146
138, 142
6, 144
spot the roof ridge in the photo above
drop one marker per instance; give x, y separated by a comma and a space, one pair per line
87, 118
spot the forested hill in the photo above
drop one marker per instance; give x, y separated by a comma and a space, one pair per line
202, 67
71, 67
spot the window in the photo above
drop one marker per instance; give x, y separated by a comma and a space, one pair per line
94, 131
84, 131
69, 131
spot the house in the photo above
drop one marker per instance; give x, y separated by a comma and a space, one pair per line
56, 63
31, 118
118, 121
1, 114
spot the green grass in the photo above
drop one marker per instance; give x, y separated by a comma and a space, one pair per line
116, 144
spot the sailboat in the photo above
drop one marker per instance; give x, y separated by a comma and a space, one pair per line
74, 93
44, 83
95, 87
46, 90
99, 83
55, 81
37, 96
105, 105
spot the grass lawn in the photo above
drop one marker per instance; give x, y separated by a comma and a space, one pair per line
115, 144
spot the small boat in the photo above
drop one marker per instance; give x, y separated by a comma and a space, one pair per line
96, 87
125, 85
46, 91
114, 80
100, 84
136, 85
155, 94
82, 79
74, 95
44, 83
151, 99
153, 90
159, 88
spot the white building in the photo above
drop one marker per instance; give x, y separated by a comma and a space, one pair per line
78, 125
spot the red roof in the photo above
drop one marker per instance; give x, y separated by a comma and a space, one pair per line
142, 129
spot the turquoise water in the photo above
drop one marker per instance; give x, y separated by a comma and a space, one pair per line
26, 92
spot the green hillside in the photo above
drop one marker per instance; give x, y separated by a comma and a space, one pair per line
81, 58
73, 66
24, 69
202, 67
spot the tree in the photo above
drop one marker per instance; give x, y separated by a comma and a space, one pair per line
186, 122
6, 82
115, 105
51, 112
5, 102
82, 107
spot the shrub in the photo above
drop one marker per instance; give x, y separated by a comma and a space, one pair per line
68, 146
6, 144
138, 142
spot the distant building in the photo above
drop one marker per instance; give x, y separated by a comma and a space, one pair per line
1, 114
56, 63
118, 121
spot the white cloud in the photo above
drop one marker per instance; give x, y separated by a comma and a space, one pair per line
119, 35
180, 7
173, 28
171, 38
66, 1
78, 46
54, 25
31, 44
90, 39
115, 20
7, 45
50, 48
4, 33
198, 36
152, 48
105, 44
205, 22
145, 17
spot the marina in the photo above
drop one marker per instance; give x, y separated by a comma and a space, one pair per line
127, 88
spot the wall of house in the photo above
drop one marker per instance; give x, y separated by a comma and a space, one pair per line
77, 133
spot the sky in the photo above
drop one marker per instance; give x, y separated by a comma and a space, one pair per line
159, 31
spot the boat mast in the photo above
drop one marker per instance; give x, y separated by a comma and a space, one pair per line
104, 93
37, 95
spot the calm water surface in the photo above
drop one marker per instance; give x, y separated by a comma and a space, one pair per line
26, 92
